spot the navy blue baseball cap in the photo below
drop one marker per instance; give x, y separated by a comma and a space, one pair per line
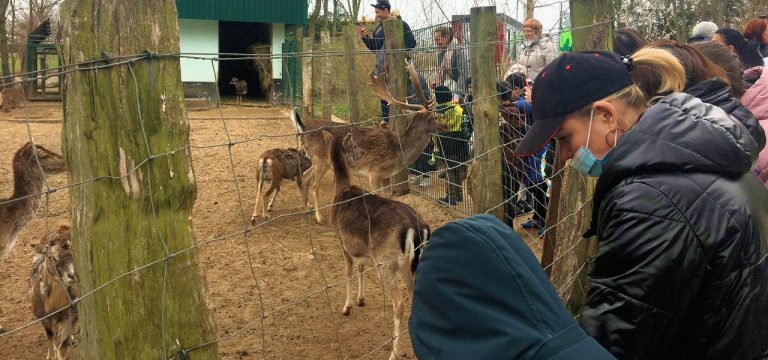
569, 83
382, 4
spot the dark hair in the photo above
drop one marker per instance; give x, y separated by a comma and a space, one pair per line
627, 41
745, 49
697, 67
445, 31
755, 29
728, 61
443, 94
504, 90
698, 39
517, 80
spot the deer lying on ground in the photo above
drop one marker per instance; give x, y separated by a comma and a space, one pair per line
374, 152
51, 287
279, 165
375, 231
28, 180
241, 88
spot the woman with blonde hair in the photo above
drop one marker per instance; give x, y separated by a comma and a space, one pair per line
680, 220
680, 217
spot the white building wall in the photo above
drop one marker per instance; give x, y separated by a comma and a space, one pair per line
278, 38
198, 36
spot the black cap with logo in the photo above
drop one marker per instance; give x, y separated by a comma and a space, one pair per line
569, 83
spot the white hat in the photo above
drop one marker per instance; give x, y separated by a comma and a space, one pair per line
705, 28
516, 68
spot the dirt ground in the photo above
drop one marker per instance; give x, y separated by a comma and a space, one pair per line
293, 258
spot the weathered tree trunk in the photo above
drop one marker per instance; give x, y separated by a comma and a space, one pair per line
569, 275
115, 119
4, 58
393, 31
718, 12
13, 34
597, 13
336, 5
485, 183
350, 38
326, 16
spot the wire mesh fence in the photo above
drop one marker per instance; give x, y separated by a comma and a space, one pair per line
277, 285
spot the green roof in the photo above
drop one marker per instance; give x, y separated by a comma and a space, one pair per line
265, 11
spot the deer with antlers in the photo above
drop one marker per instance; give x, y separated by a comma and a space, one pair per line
373, 152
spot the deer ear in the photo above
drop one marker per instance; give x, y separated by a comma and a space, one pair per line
40, 249
327, 137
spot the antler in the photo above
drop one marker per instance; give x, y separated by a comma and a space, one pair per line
380, 89
417, 85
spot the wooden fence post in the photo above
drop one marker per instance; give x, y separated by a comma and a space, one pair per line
393, 31
485, 187
553, 208
325, 85
306, 76
350, 37
569, 275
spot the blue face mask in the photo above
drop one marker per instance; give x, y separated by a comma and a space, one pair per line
584, 160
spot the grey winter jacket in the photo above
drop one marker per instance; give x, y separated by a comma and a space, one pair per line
537, 55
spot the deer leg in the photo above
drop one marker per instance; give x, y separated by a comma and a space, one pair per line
360, 286
264, 202
306, 179
303, 198
389, 279
272, 200
51, 344
315, 188
348, 303
258, 194
62, 339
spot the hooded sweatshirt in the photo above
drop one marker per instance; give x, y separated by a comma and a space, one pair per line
480, 293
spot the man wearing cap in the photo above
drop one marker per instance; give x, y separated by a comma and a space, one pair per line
376, 42
378, 45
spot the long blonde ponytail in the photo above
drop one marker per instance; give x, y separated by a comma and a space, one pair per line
657, 72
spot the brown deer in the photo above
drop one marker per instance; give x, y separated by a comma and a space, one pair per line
31, 164
279, 165
375, 231
51, 287
241, 88
374, 152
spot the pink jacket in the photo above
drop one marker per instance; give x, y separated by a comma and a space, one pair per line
756, 100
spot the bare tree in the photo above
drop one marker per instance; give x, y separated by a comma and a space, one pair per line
529, 6
313, 20
4, 58
353, 7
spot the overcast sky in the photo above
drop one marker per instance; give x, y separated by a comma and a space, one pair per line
422, 13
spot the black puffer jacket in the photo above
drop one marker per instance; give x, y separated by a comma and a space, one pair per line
682, 225
716, 92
